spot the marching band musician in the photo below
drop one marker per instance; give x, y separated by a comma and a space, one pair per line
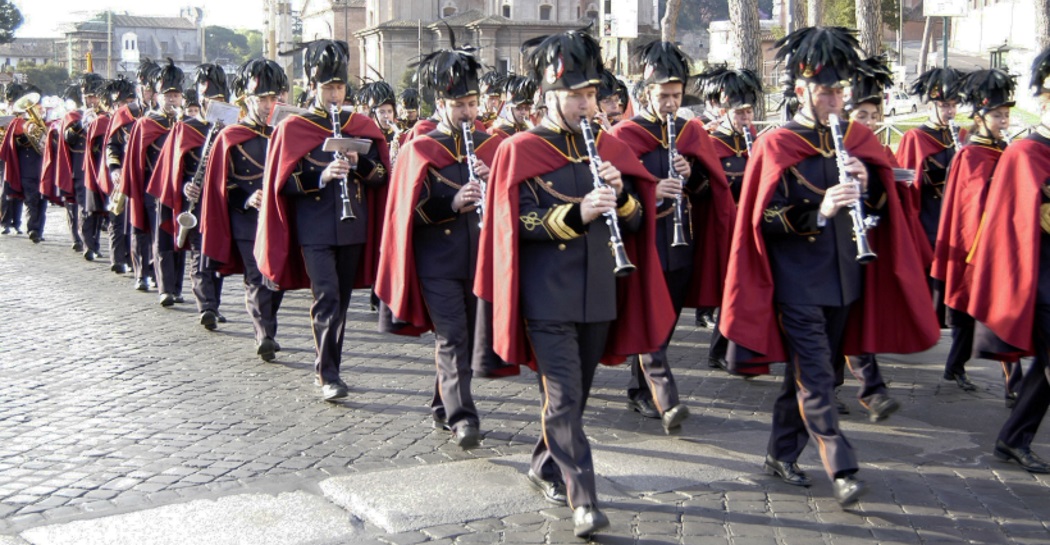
408, 102
518, 93
93, 206
545, 263
429, 249
232, 195
303, 240
491, 85
69, 169
56, 178
990, 94
1010, 303
23, 160
177, 166
10, 207
612, 98
795, 290
119, 93
118, 139
694, 217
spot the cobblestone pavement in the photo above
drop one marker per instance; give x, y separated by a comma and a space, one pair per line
110, 404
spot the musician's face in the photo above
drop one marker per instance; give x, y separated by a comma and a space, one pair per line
90, 101
741, 117
261, 107
611, 107
994, 122
566, 107
193, 111
943, 111
867, 114
385, 114
171, 100
412, 115
492, 103
820, 101
457, 111
521, 112
331, 93
665, 98
145, 94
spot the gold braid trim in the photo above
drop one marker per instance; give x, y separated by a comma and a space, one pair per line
554, 221
549, 189
806, 183
250, 158
444, 180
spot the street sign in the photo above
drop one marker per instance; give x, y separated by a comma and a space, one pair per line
945, 8
622, 21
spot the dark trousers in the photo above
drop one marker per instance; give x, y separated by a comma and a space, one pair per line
865, 368
453, 308
332, 270
36, 207
142, 239
719, 344
205, 281
169, 265
963, 325
485, 361
567, 355
1013, 377
1020, 428
73, 221
119, 243
90, 225
10, 210
261, 302
651, 376
805, 407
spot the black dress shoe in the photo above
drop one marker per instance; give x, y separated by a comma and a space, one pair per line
276, 346
643, 407
788, 472
332, 391
6, 231
179, 299
587, 520
266, 350
961, 380
672, 418
222, 319
78, 247
848, 490
1023, 456
467, 435
141, 285
89, 255
1011, 400
717, 363
208, 320
553, 492
35, 237
167, 300
881, 407
441, 423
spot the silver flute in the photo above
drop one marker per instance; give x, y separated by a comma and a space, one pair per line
472, 165
344, 191
672, 154
623, 266
861, 224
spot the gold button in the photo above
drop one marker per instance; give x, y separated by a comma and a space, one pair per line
448, 231
812, 239
317, 198
610, 244
561, 246
805, 201
728, 164
550, 182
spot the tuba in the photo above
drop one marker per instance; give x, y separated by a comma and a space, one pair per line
36, 129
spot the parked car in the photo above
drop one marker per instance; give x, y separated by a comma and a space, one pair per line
899, 102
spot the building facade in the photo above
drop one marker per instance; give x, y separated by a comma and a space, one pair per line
117, 42
28, 50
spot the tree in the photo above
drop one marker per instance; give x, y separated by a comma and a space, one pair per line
816, 13
52, 79
669, 23
226, 44
10, 20
747, 36
1042, 24
255, 42
869, 25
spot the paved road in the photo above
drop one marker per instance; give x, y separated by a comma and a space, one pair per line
121, 421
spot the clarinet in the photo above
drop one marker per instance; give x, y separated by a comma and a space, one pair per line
472, 163
861, 224
748, 141
623, 266
672, 154
186, 220
953, 128
344, 191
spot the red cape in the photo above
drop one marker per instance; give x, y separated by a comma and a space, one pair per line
133, 171
712, 218
50, 165
895, 314
96, 175
216, 235
121, 118
166, 182
909, 196
64, 165
915, 146
1006, 255
964, 197
397, 284
9, 156
644, 313
277, 245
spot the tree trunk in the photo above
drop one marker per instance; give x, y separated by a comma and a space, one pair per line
747, 40
669, 24
1042, 24
924, 49
869, 23
816, 12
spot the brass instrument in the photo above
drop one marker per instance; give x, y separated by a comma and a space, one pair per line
117, 199
861, 224
672, 154
35, 129
344, 191
953, 128
623, 266
472, 162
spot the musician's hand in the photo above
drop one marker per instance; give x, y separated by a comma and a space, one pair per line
857, 169
668, 188
336, 170
255, 201
838, 197
597, 202
611, 175
192, 191
482, 170
681, 164
115, 176
603, 119
468, 195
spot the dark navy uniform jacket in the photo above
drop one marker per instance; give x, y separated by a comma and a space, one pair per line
934, 175
118, 142
244, 174
75, 137
735, 164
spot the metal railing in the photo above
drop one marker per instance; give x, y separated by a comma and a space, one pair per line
890, 132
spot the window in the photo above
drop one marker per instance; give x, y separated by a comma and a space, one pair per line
504, 66
506, 10
449, 10
545, 12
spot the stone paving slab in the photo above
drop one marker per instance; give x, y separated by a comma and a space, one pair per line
669, 464
293, 518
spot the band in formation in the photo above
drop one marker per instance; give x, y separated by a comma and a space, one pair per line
558, 220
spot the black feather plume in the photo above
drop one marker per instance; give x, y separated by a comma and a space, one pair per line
1041, 73
663, 62
821, 55
987, 89
870, 81
937, 84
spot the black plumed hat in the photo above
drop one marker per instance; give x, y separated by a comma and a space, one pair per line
72, 92
377, 93
213, 80
1041, 73
409, 99
492, 83
870, 81
120, 89
191, 98
147, 71
325, 61
262, 77
737, 88
567, 60
708, 83
663, 62
937, 84
14, 91
609, 85
519, 90
168, 79
987, 90
820, 55
92, 84
450, 73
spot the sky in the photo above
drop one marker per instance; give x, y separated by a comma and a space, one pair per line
43, 18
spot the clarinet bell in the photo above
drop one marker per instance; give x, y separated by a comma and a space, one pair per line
624, 266
679, 236
864, 253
